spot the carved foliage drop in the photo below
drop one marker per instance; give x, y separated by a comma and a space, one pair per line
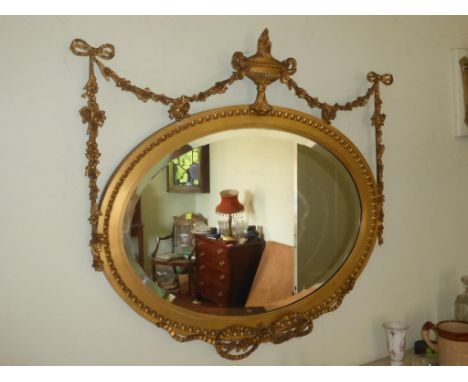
238, 341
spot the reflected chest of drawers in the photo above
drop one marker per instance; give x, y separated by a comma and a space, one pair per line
223, 272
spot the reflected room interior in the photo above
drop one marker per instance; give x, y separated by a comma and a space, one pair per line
296, 221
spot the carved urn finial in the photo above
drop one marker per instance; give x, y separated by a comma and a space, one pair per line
264, 44
263, 69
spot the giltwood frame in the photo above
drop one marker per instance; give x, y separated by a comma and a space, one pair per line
234, 337
231, 334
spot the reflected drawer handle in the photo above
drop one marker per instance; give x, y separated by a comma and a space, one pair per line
219, 294
219, 251
202, 254
221, 276
201, 267
221, 263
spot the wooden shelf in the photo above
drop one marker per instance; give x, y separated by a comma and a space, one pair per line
410, 359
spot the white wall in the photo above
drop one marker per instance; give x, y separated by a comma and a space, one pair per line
57, 310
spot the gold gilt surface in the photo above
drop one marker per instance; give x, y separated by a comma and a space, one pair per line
262, 68
234, 337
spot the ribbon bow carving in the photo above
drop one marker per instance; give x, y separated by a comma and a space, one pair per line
82, 48
386, 79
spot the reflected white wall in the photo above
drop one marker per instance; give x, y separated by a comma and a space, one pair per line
262, 170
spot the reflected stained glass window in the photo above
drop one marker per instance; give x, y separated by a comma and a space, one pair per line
189, 172
186, 168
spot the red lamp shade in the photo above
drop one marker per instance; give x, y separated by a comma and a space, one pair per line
229, 203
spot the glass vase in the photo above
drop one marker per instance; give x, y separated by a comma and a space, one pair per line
461, 303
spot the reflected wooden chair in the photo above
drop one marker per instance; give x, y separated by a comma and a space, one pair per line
182, 247
274, 279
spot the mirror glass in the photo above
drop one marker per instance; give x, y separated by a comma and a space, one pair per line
300, 219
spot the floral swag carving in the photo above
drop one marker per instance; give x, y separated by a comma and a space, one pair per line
234, 342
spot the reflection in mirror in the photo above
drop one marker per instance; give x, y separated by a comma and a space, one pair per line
300, 219
188, 170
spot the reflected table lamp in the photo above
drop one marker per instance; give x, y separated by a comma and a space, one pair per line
229, 206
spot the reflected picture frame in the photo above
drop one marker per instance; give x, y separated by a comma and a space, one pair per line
190, 172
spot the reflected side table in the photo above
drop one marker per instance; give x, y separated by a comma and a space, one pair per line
185, 264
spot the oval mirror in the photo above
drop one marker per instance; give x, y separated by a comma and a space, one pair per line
300, 219
238, 229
